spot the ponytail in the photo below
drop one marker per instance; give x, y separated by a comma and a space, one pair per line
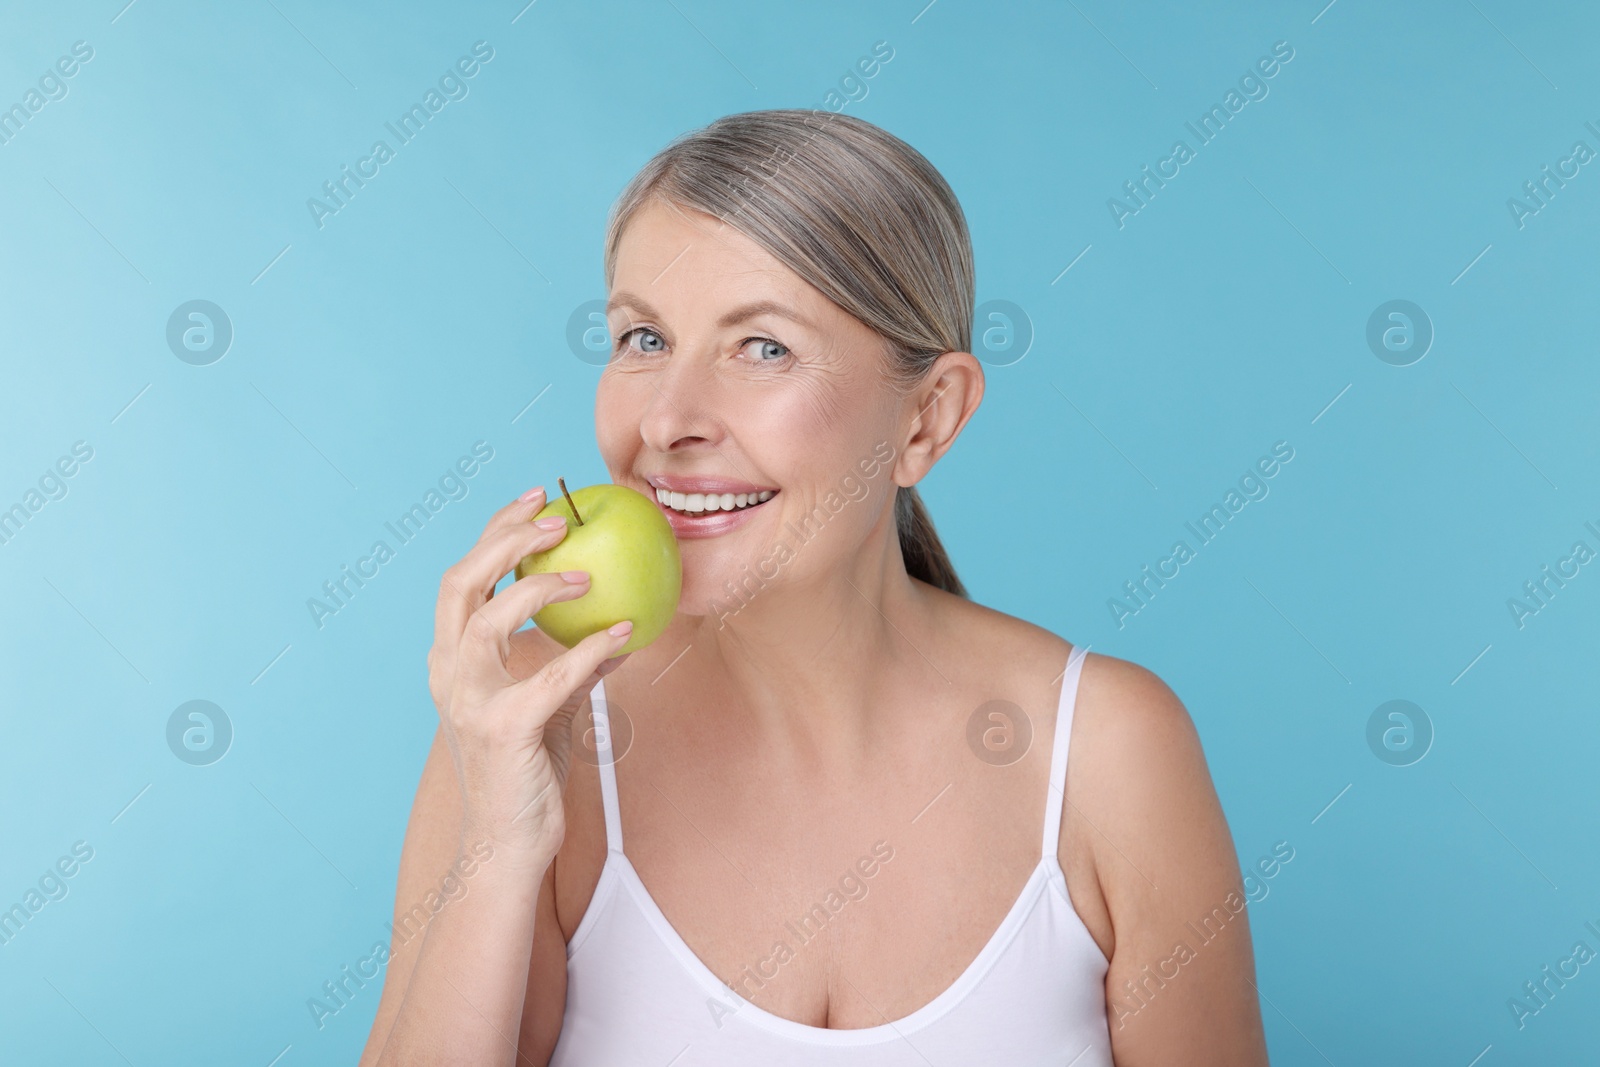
924, 555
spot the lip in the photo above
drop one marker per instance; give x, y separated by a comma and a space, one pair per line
702, 483
712, 523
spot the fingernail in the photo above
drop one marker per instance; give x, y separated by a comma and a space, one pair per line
575, 577
551, 522
531, 493
621, 629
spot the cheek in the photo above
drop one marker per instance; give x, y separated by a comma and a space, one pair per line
616, 417
807, 444
785, 428
822, 418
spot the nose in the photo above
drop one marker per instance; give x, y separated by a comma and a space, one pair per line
681, 413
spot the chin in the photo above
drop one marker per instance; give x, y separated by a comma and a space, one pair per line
706, 584
713, 586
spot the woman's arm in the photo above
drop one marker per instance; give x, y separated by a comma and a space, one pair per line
1181, 985
430, 847
427, 858
496, 811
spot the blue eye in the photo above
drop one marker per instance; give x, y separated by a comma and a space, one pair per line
768, 351
648, 340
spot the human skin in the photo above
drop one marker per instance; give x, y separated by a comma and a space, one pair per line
773, 745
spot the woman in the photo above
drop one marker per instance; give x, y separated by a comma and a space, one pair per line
832, 854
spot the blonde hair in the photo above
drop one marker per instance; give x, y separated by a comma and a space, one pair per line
861, 216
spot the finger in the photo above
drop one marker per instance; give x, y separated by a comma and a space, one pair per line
456, 599
468, 584
553, 683
486, 640
519, 510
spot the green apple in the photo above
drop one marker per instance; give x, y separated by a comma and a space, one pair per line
627, 546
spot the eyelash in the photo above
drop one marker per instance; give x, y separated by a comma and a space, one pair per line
622, 339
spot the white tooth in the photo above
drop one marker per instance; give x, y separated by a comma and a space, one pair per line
765, 495
694, 502
676, 501
713, 502
662, 495
727, 501
741, 499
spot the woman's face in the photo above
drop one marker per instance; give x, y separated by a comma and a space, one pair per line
733, 378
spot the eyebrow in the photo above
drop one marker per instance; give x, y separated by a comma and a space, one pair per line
743, 313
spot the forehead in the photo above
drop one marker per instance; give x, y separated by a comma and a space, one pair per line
679, 257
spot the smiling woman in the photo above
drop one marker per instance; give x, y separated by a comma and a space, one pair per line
791, 302
915, 235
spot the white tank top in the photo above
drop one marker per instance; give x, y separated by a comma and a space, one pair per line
637, 994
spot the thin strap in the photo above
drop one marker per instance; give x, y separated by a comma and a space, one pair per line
1056, 797
608, 771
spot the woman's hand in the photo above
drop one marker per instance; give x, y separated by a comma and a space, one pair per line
510, 736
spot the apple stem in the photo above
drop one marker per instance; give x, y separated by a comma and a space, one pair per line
563, 484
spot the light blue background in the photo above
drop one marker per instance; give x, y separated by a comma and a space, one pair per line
1225, 316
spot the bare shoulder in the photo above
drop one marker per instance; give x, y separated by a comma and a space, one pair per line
1139, 775
1126, 706
1132, 714
1140, 809
1165, 858
1026, 657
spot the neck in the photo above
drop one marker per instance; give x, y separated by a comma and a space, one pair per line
807, 664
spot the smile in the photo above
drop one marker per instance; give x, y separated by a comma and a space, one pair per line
702, 506
700, 503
